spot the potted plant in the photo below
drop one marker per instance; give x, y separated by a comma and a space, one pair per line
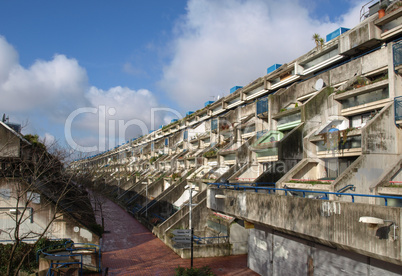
381, 11
319, 41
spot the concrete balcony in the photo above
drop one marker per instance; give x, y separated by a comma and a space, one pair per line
331, 223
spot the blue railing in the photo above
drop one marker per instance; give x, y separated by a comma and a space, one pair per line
200, 239
71, 249
397, 49
252, 183
158, 216
214, 124
321, 194
398, 108
347, 187
262, 105
261, 133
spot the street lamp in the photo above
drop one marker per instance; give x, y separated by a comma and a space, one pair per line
191, 187
376, 221
146, 195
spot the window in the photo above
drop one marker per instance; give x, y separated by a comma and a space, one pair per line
336, 166
370, 97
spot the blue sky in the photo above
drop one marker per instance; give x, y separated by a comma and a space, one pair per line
58, 56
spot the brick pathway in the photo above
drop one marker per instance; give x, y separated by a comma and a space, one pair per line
131, 249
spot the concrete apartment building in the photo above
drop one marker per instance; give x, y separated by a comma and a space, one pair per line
300, 168
35, 198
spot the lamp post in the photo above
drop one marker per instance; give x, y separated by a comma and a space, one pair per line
191, 187
146, 195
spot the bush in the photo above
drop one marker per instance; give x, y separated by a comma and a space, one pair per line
210, 154
203, 271
30, 264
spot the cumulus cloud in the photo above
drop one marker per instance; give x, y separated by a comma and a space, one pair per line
48, 92
220, 44
49, 140
53, 87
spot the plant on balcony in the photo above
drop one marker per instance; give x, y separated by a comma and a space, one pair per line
153, 159
312, 182
361, 81
210, 154
319, 41
381, 11
378, 79
333, 139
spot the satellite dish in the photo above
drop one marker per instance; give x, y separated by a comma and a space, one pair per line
319, 84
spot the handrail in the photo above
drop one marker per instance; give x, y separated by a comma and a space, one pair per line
199, 239
347, 187
292, 191
252, 183
363, 11
308, 180
69, 246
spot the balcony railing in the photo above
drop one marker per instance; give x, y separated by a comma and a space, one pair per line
261, 133
398, 108
262, 105
366, 98
397, 49
214, 124
296, 192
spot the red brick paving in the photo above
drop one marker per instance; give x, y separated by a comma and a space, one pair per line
131, 249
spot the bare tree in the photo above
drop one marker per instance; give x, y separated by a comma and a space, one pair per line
33, 180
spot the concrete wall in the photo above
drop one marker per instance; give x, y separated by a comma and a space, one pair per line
161, 229
164, 205
365, 174
345, 72
330, 223
248, 109
9, 143
379, 134
64, 226
291, 146
238, 239
375, 60
364, 34
274, 253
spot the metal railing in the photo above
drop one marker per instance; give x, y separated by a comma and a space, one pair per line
295, 192
398, 108
363, 12
214, 124
262, 105
198, 240
261, 133
67, 250
397, 50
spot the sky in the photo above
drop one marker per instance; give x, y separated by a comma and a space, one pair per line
94, 74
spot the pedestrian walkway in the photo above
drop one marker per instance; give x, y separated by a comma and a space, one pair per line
129, 248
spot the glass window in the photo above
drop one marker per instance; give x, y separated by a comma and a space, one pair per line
289, 119
365, 98
320, 59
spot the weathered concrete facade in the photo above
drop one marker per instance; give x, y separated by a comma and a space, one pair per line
328, 121
34, 198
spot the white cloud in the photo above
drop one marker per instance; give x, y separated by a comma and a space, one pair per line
220, 44
53, 88
49, 140
47, 92
8, 59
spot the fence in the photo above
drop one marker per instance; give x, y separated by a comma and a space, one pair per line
297, 192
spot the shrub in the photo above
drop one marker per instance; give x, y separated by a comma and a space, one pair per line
203, 271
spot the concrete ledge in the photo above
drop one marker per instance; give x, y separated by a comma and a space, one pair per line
330, 223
